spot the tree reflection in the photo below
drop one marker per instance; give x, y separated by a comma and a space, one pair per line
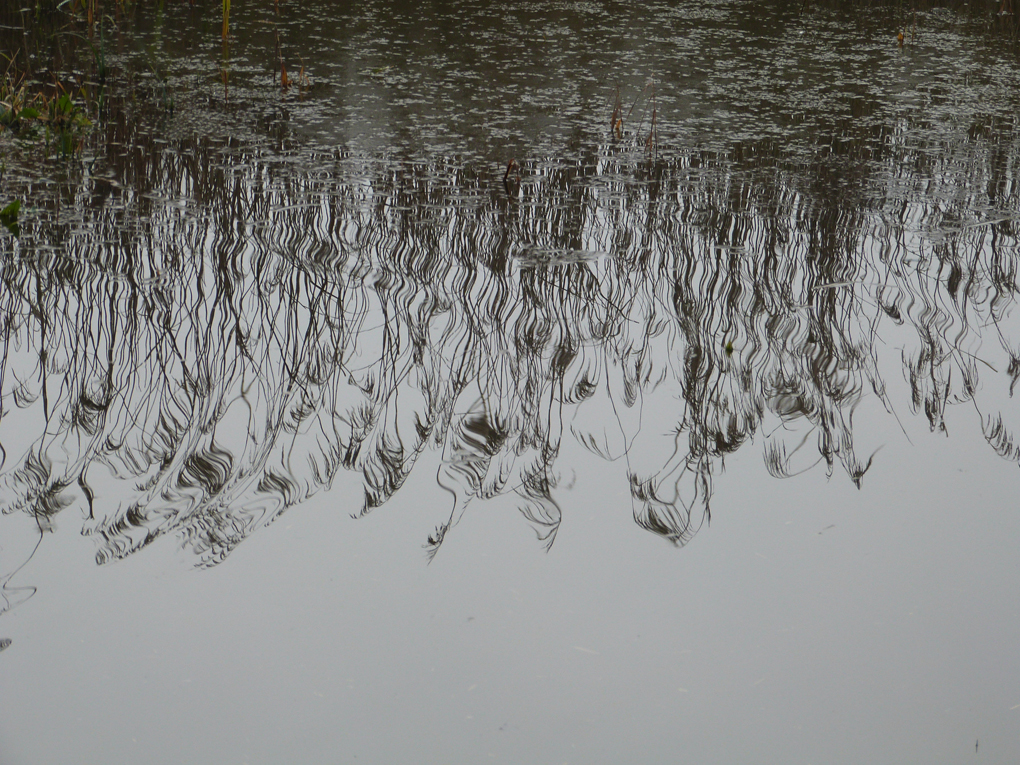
202, 342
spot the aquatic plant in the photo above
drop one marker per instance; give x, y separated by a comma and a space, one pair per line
66, 123
58, 118
9, 217
17, 107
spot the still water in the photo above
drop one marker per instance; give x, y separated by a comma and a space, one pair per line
330, 434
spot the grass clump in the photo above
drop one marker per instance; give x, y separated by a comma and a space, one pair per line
56, 118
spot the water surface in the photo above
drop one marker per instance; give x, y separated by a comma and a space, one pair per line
748, 289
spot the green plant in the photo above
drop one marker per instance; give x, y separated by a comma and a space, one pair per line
63, 120
67, 123
9, 217
16, 106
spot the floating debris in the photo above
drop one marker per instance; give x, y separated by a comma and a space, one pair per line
536, 255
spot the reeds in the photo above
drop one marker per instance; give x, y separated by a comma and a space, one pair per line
60, 118
616, 118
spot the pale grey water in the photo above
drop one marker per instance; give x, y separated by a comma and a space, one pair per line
260, 313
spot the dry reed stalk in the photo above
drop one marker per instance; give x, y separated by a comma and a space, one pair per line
616, 120
653, 139
512, 184
279, 52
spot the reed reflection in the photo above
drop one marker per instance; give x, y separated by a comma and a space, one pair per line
196, 359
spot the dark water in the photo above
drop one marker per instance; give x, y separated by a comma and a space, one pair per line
457, 413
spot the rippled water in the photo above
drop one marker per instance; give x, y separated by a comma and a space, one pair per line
452, 407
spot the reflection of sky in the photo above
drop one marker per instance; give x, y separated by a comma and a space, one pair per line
814, 622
